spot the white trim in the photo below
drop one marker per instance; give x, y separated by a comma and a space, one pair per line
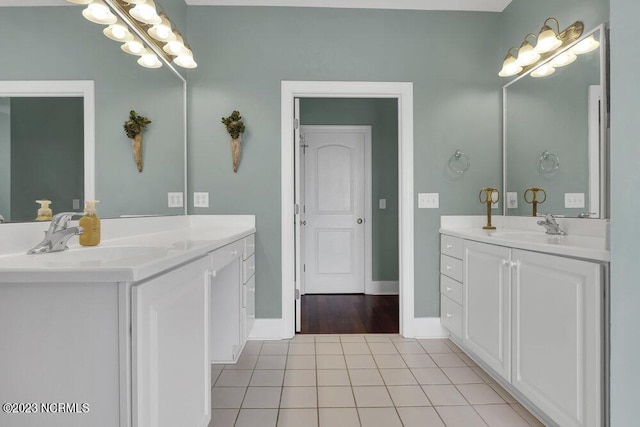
65, 89
368, 189
593, 109
382, 287
466, 5
429, 327
266, 329
403, 91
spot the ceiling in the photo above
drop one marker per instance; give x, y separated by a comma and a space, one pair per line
468, 5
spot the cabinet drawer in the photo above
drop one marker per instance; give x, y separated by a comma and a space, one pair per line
451, 267
248, 268
249, 246
451, 316
249, 297
451, 246
225, 255
451, 288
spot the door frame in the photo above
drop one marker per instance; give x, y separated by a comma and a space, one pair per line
403, 92
366, 130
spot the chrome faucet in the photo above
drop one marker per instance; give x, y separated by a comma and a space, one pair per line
551, 225
59, 232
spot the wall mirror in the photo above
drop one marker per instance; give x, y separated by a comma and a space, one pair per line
51, 62
555, 136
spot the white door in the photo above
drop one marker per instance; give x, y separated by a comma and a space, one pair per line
298, 163
335, 207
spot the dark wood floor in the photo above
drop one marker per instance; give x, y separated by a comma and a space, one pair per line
350, 314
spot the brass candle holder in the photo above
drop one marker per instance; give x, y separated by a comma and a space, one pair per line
489, 200
533, 198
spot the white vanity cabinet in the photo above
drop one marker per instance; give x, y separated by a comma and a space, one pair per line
451, 284
487, 305
232, 299
536, 321
170, 357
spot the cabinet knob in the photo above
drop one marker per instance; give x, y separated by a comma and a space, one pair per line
449, 315
234, 253
449, 289
448, 267
449, 246
252, 267
213, 273
252, 245
251, 316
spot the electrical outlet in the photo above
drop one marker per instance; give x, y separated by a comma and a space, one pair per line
382, 203
175, 200
428, 200
574, 200
200, 199
512, 200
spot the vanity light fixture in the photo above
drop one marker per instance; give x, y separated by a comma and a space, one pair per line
141, 29
547, 44
563, 59
543, 71
585, 46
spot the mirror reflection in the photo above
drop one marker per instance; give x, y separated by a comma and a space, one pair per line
64, 46
553, 137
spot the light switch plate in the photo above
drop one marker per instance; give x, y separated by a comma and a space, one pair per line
428, 200
382, 203
76, 204
512, 200
574, 200
201, 199
175, 200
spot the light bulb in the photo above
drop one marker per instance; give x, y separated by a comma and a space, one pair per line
174, 47
510, 66
149, 60
585, 46
99, 13
162, 31
543, 71
565, 58
185, 59
146, 12
133, 47
547, 40
118, 32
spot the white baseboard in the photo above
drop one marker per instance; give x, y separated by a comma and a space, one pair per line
267, 329
382, 288
429, 327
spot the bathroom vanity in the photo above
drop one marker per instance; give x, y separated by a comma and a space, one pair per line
124, 334
530, 309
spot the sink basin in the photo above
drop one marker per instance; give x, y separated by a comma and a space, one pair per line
530, 236
99, 256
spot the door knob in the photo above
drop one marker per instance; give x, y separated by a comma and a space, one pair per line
360, 221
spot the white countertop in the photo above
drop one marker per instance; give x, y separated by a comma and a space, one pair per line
575, 246
128, 257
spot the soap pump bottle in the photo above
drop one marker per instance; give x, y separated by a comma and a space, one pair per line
91, 224
44, 213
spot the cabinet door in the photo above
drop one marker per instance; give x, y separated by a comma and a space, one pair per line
557, 336
171, 366
486, 305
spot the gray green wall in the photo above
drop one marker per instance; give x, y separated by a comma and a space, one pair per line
625, 232
47, 154
68, 47
382, 116
5, 159
245, 52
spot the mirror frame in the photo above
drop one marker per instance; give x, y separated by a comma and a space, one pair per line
65, 89
600, 162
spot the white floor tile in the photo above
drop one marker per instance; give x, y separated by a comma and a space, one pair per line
453, 346
460, 416
379, 417
335, 397
444, 395
328, 348
355, 348
262, 397
408, 395
420, 417
462, 376
503, 393
524, 413
299, 397
500, 416
360, 377
301, 362
302, 348
389, 361
252, 347
271, 362
482, 374
409, 347
479, 394
467, 359
333, 377
327, 338
372, 397
377, 338
223, 417
246, 361
419, 361
234, 378
448, 360
360, 361
257, 417
383, 348
227, 397
435, 346
300, 378
298, 418
401, 376
352, 338
275, 349
338, 417
330, 361
430, 376
300, 338
267, 378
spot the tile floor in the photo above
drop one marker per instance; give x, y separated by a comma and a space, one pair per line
359, 380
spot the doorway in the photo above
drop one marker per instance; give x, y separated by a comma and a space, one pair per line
403, 92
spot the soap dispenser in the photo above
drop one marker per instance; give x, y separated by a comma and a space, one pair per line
44, 213
91, 224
